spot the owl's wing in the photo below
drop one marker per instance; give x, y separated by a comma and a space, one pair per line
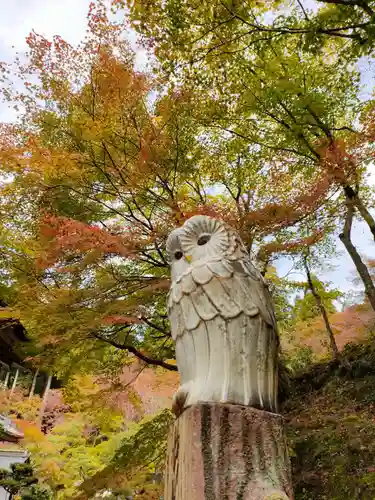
223, 288
257, 283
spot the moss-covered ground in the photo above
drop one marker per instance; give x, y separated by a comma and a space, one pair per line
330, 425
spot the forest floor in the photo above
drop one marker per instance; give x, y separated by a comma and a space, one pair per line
329, 409
330, 423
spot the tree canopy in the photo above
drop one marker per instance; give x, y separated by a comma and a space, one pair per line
105, 160
197, 30
248, 111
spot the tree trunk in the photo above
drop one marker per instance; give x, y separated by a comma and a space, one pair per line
356, 258
31, 393
317, 297
224, 451
14, 383
353, 199
44, 401
6, 379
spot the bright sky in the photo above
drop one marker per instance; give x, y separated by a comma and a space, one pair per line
68, 19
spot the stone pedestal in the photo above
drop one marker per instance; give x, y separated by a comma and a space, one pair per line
220, 451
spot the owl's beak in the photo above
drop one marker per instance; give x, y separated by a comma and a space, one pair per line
188, 258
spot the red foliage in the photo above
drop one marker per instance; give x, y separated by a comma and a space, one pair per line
291, 246
213, 210
122, 320
279, 215
65, 236
155, 389
139, 390
339, 162
352, 325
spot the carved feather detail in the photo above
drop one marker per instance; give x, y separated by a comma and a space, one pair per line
219, 287
223, 323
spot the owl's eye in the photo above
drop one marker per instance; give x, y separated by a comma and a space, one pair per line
202, 240
178, 255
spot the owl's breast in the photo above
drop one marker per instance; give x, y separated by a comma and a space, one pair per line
204, 291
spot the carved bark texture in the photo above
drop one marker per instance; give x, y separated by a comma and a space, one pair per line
227, 452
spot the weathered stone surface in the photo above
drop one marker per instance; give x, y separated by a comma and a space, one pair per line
222, 319
223, 323
227, 452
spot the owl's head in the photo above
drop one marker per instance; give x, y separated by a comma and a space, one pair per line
200, 238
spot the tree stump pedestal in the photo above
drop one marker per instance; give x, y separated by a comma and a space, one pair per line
220, 451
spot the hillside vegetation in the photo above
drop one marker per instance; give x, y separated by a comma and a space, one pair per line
330, 419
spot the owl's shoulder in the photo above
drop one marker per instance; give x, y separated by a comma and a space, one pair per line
203, 272
243, 266
224, 287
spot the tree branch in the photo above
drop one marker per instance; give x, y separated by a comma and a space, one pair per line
138, 354
303, 10
268, 146
351, 3
149, 323
295, 31
322, 308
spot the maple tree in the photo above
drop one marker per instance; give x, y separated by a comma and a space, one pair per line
93, 439
218, 28
95, 177
100, 453
318, 298
105, 160
242, 66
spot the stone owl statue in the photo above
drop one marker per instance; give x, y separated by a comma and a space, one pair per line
222, 319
